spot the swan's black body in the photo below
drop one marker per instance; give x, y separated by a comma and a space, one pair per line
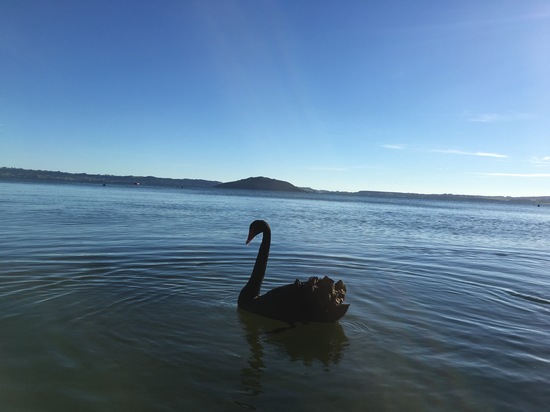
317, 300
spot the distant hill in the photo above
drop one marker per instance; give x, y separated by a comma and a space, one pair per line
447, 196
260, 183
252, 183
9, 173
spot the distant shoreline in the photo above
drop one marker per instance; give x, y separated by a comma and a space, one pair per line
7, 173
44, 176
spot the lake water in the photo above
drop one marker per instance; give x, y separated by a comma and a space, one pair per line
124, 298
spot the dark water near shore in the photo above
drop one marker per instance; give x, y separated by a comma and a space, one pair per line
116, 298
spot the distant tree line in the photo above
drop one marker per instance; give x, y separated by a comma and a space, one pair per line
9, 173
253, 183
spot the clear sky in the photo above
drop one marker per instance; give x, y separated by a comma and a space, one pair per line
413, 96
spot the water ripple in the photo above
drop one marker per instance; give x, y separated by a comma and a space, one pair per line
126, 299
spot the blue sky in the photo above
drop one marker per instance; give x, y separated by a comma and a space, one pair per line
425, 96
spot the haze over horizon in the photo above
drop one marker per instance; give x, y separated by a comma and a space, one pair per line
422, 97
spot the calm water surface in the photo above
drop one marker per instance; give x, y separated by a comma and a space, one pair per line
115, 298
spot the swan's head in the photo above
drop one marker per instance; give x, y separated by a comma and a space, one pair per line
256, 227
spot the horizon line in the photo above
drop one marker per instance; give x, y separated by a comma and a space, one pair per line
301, 187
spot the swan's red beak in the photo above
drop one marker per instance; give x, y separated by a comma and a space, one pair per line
250, 237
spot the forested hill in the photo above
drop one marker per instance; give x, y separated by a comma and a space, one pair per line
260, 183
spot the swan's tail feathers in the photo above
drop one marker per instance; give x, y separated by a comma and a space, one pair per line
328, 298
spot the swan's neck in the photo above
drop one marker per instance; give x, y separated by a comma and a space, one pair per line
252, 288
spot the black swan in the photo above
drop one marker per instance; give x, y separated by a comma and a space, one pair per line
317, 300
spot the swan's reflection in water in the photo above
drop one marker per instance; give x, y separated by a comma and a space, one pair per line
322, 342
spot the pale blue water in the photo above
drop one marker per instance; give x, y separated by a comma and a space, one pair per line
115, 298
